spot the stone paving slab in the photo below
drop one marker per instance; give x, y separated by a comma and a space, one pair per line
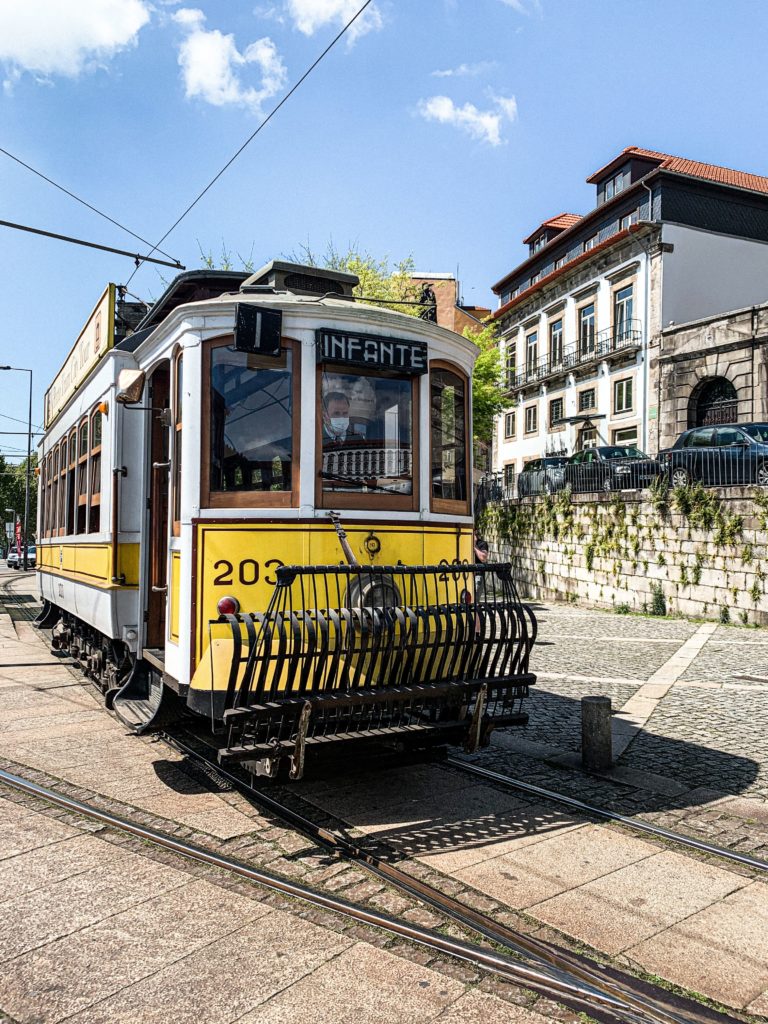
96, 962
403, 993
642, 899
528, 876
480, 1008
722, 950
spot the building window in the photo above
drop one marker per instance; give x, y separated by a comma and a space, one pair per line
510, 425
586, 400
627, 436
623, 302
556, 342
590, 243
510, 361
587, 330
622, 395
505, 298
537, 244
556, 412
534, 279
587, 438
531, 419
531, 351
449, 437
628, 219
613, 186
509, 480
560, 262
251, 446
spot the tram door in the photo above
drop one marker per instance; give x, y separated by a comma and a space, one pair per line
159, 469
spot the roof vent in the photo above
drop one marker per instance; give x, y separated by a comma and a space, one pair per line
301, 280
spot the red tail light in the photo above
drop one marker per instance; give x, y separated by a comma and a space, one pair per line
228, 606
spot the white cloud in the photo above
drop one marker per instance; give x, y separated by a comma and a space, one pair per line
211, 65
480, 124
466, 70
48, 37
310, 15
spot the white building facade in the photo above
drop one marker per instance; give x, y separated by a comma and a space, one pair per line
581, 319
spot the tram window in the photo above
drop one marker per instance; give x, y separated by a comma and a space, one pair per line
48, 497
55, 493
448, 399
366, 430
62, 503
69, 526
251, 442
177, 417
94, 472
82, 478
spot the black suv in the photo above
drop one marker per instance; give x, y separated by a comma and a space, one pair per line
610, 467
541, 476
729, 453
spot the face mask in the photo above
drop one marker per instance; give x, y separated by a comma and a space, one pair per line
339, 424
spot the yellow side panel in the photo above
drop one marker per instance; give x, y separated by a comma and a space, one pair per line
173, 624
239, 560
89, 562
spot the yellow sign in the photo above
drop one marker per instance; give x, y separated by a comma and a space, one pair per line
95, 339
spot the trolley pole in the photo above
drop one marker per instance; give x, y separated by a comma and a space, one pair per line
25, 536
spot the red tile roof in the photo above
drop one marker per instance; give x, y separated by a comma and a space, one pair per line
694, 168
561, 221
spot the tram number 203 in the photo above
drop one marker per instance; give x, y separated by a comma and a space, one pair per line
248, 572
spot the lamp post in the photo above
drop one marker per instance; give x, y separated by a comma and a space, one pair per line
21, 369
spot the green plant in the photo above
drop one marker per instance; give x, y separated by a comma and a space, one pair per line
747, 554
744, 617
755, 592
684, 576
658, 494
589, 556
661, 561
698, 563
658, 602
725, 615
623, 609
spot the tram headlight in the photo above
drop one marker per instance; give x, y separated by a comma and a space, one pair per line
227, 606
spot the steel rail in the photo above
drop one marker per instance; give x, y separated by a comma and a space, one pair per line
600, 812
491, 961
565, 964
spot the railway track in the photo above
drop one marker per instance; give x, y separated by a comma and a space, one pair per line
640, 1000
657, 831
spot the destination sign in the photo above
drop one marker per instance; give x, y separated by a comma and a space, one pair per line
409, 357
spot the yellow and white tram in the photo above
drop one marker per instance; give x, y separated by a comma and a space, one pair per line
260, 501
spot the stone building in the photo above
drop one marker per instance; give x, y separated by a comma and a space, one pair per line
713, 370
669, 240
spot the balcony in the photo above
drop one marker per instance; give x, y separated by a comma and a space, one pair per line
603, 345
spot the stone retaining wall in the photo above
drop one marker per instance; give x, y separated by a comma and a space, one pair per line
693, 552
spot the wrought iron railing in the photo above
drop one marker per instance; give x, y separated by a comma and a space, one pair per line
590, 348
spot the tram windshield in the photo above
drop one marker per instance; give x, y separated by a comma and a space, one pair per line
366, 425
251, 421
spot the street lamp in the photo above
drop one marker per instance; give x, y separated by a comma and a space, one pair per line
13, 513
21, 369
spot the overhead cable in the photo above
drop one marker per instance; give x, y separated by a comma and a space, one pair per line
77, 198
263, 124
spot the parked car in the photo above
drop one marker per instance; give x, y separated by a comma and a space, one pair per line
541, 476
13, 558
31, 556
729, 453
610, 467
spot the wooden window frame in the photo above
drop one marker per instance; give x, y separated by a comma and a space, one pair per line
373, 500
61, 503
535, 409
590, 300
530, 366
557, 318
593, 405
82, 500
93, 450
176, 408
71, 520
513, 432
49, 501
451, 505
617, 382
250, 499
619, 286
560, 423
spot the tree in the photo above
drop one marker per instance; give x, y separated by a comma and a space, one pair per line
13, 481
487, 396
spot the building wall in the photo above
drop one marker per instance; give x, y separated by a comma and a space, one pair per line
734, 346
449, 314
710, 273
598, 281
632, 556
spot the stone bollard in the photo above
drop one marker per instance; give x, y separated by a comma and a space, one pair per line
596, 751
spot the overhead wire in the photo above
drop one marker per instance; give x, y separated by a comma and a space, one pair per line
253, 134
83, 202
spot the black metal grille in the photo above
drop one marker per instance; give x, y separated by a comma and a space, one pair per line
375, 651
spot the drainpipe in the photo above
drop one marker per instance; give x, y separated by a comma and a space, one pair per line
647, 346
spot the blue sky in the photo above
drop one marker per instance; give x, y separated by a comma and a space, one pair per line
443, 129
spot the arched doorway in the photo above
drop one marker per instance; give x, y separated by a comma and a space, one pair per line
713, 400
